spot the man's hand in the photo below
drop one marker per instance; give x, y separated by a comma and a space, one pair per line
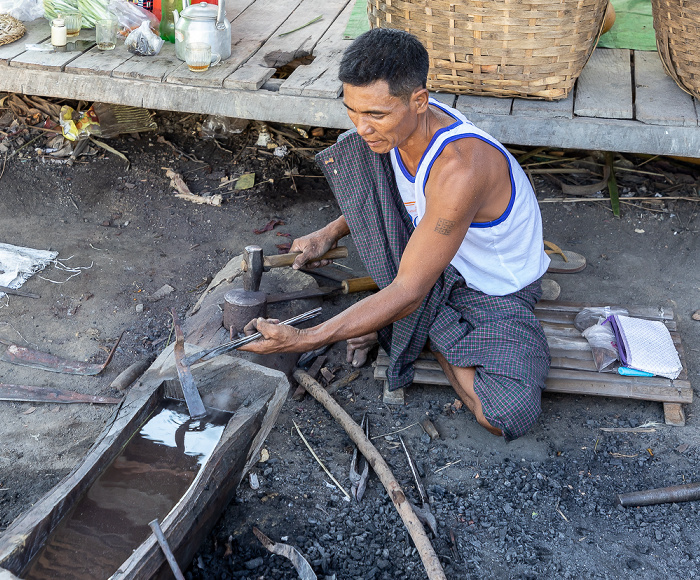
312, 246
276, 337
358, 348
315, 244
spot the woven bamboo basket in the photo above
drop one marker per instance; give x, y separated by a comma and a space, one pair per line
505, 48
11, 29
677, 26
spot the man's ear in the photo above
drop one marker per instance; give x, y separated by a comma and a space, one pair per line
420, 100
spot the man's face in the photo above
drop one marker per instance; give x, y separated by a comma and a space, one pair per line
382, 120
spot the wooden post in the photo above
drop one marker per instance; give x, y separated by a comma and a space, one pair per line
425, 549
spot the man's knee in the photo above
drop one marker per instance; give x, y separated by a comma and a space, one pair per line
516, 413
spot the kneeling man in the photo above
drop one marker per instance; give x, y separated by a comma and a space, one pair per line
448, 226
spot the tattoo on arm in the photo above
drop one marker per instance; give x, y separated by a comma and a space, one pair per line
444, 226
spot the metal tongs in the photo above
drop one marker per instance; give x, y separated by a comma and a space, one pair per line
210, 353
357, 478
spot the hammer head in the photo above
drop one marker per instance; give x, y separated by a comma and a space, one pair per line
253, 267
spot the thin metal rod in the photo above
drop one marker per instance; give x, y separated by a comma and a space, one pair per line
414, 472
169, 556
234, 344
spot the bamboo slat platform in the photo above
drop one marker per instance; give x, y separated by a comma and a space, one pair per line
623, 101
573, 370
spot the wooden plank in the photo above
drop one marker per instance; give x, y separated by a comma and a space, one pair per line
591, 133
604, 89
611, 385
674, 414
281, 50
563, 108
53, 61
470, 104
392, 397
249, 32
320, 78
100, 62
587, 383
659, 100
146, 68
37, 31
260, 105
558, 362
650, 312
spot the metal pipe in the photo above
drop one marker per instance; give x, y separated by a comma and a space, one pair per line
169, 556
675, 493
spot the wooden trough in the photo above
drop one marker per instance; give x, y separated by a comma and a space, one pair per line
252, 393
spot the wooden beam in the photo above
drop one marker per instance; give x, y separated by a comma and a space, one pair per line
674, 414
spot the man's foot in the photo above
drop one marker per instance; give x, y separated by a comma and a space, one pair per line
358, 348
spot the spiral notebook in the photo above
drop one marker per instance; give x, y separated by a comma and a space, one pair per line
646, 345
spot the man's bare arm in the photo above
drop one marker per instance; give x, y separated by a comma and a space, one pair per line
450, 208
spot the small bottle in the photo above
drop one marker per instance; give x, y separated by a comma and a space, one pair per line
167, 21
58, 32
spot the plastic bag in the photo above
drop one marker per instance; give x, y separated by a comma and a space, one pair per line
143, 41
217, 126
589, 316
130, 16
76, 126
24, 10
601, 339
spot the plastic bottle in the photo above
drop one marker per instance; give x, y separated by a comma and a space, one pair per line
58, 32
167, 21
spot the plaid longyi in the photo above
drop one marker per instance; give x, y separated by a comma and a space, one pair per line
498, 335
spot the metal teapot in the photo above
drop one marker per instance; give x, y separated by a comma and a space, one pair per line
203, 23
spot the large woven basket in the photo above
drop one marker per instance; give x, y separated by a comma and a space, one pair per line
677, 26
505, 48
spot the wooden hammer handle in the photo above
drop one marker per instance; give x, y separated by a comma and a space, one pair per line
365, 284
288, 259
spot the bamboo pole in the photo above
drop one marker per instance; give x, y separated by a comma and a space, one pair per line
425, 549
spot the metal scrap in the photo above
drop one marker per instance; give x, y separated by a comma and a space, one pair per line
290, 552
424, 514
31, 394
28, 357
195, 406
357, 478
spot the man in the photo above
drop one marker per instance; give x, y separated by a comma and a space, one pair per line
447, 225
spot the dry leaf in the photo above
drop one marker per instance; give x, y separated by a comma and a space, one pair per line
29, 411
457, 404
696, 315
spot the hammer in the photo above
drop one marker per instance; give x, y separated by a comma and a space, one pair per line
288, 259
241, 306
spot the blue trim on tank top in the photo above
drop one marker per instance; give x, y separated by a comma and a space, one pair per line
506, 213
399, 161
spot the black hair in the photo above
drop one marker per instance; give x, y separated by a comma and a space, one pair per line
386, 54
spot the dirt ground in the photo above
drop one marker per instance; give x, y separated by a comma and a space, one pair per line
539, 507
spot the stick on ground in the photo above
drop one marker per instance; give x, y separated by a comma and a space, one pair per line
425, 549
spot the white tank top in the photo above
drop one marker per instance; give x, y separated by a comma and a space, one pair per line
497, 257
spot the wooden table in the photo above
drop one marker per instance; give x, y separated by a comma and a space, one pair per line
623, 100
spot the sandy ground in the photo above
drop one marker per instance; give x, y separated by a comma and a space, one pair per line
132, 237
